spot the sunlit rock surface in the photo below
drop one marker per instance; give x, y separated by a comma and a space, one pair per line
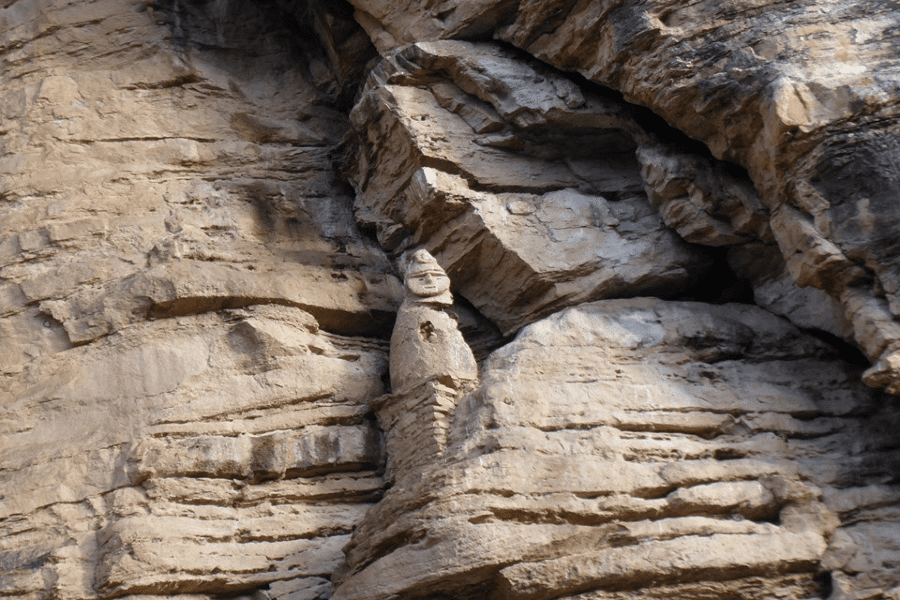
800, 94
185, 299
526, 187
671, 241
701, 448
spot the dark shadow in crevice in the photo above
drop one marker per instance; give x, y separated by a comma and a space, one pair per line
645, 117
718, 283
845, 350
480, 333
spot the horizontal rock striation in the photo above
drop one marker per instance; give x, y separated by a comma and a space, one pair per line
636, 447
172, 187
187, 455
204, 208
186, 350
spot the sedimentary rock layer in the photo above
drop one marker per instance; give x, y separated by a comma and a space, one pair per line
636, 447
204, 204
802, 95
182, 410
524, 186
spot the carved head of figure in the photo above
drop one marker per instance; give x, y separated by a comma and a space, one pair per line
426, 280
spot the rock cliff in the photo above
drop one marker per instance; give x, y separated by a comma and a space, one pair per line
671, 239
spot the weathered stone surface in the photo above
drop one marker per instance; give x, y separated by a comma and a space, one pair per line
130, 194
713, 203
775, 290
177, 415
426, 343
799, 94
160, 480
525, 186
701, 200
625, 442
194, 307
431, 367
339, 60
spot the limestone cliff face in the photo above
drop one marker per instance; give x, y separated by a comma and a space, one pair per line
188, 306
666, 229
800, 94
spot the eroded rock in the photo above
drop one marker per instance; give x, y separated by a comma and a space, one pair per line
193, 330
525, 186
172, 181
190, 454
172, 421
426, 343
789, 91
628, 441
431, 366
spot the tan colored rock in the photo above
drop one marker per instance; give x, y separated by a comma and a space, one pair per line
713, 203
774, 289
145, 445
799, 95
391, 24
131, 195
701, 200
456, 152
426, 343
193, 329
178, 416
617, 567
635, 446
343, 51
431, 367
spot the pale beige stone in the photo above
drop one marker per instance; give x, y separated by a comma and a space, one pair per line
778, 103
426, 343
559, 220
700, 199
662, 560
545, 489
194, 310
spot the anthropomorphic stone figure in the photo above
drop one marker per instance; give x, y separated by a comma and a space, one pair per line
426, 343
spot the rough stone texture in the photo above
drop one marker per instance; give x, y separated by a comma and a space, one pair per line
344, 49
631, 444
186, 455
697, 197
190, 181
195, 305
523, 185
164, 165
774, 290
802, 94
713, 203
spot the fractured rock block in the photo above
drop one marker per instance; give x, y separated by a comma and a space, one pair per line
544, 209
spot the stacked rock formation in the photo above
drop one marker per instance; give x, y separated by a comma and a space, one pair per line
666, 232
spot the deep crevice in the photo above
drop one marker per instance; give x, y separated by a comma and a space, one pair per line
847, 351
718, 284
